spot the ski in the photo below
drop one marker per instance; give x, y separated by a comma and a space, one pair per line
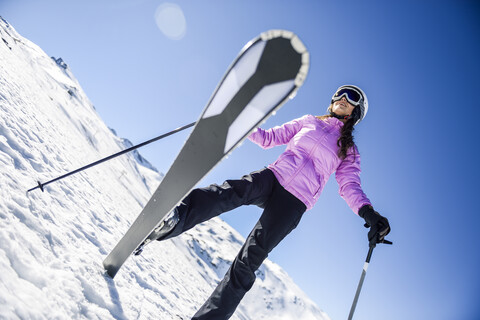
268, 71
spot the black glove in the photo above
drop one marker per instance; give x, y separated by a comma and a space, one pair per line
379, 226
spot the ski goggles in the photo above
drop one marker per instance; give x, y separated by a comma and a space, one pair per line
352, 96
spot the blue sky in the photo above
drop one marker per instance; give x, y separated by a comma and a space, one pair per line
416, 60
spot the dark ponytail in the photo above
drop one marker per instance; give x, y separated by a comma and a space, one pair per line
345, 141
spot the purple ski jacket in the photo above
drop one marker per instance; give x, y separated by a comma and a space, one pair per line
311, 157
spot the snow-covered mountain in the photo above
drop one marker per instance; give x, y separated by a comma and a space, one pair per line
52, 244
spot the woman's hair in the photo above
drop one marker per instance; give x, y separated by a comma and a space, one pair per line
345, 141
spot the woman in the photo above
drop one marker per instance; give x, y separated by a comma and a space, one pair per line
316, 147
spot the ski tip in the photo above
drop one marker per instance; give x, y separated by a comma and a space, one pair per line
276, 33
298, 46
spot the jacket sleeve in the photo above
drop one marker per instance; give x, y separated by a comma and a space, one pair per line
348, 178
278, 135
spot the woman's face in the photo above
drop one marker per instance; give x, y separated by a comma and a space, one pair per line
342, 107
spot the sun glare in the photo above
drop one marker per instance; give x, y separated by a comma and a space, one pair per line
171, 20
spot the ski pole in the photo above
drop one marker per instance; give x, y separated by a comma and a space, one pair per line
362, 278
41, 186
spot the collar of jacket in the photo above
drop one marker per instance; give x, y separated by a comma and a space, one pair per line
333, 122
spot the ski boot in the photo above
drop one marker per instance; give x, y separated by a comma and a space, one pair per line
163, 229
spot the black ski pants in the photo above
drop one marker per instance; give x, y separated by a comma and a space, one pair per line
282, 213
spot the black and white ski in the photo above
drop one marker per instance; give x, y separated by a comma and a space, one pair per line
267, 72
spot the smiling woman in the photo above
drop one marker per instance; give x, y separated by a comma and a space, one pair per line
171, 20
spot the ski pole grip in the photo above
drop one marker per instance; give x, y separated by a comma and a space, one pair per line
373, 243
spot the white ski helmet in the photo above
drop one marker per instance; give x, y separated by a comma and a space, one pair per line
354, 96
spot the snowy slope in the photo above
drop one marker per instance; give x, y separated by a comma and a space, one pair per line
52, 244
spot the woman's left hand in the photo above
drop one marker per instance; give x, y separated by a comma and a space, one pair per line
379, 226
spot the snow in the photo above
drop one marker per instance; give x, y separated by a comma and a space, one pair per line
52, 244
